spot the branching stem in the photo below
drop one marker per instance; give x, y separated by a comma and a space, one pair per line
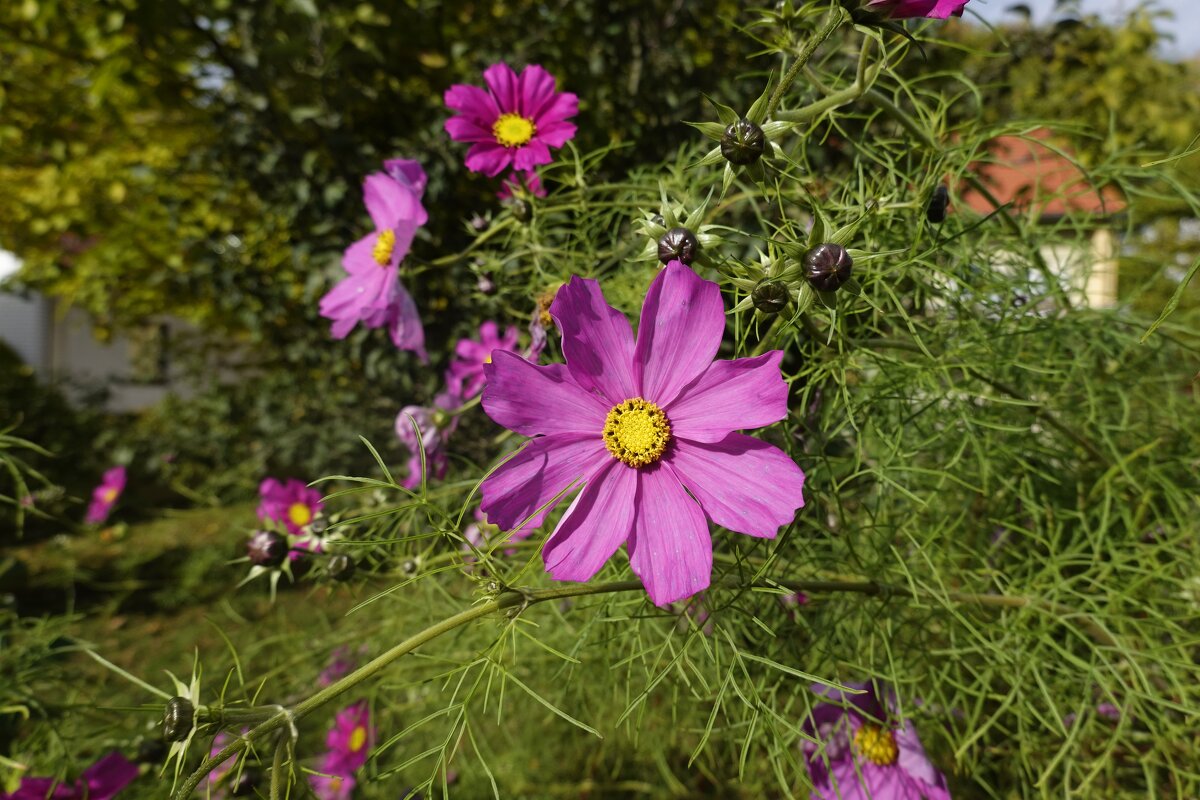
831, 24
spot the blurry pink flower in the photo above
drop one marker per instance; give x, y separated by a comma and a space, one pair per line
371, 293
466, 370
104, 496
292, 503
647, 427
436, 428
101, 781
792, 602
349, 740
521, 181
514, 122
332, 787
904, 9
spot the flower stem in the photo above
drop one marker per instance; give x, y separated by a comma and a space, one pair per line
832, 23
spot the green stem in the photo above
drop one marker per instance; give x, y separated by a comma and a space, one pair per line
863, 80
277, 769
832, 23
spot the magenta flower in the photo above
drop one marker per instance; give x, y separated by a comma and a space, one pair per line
100, 781
104, 496
867, 753
904, 9
466, 370
292, 503
514, 122
371, 293
647, 427
521, 181
349, 740
436, 427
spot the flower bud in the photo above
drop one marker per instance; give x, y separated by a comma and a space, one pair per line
340, 567
658, 220
318, 526
178, 719
678, 244
936, 212
743, 143
150, 751
770, 297
827, 267
267, 549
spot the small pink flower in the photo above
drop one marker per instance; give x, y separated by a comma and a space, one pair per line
904, 9
101, 781
349, 740
466, 370
436, 427
371, 293
291, 503
104, 496
521, 181
514, 122
648, 428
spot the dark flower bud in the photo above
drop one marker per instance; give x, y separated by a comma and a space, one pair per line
743, 143
178, 719
150, 751
340, 567
678, 243
827, 267
657, 219
770, 296
408, 567
267, 549
936, 212
318, 526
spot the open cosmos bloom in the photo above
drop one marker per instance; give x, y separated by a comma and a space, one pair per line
100, 781
647, 426
104, 496
371, 292
868, 754
349, 740
292, 503
514, 122
905, 9
470, 355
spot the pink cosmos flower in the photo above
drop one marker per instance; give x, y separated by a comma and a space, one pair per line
904, 9
867, 754
104, 496
349, 740
332, 787
436, 428
371, 293
466, 370
521, 181
647, 427
514, 122
100, 781
291, 503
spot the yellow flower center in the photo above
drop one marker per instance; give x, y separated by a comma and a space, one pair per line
636, 432
299, 514
385, 243
357, 739
877, 745
109, 495
513, 130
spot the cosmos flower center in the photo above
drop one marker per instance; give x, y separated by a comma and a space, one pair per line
358, 738
299, 514
636, 432
385, 243
108, 495
513, 130
877, 745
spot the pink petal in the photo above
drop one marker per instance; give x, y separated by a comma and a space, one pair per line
730, 395
472, 102
389, 202
405, 325
501, 79
359, 257
671, 548
407, 171
531, 155
532, 400
530, 479
743, 484
683, 320
560, 107
596, 340
490, 159
464, 129
596, 524
536, 90
556, 134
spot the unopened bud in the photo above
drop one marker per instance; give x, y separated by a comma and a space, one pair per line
318, 526
827, 267
936, 212
770, 297
743, 143
178, 719
267, 549
340, 567
678, 244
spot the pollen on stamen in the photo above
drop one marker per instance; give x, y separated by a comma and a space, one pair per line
636, 432
877, 745
513, 130
385, 243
